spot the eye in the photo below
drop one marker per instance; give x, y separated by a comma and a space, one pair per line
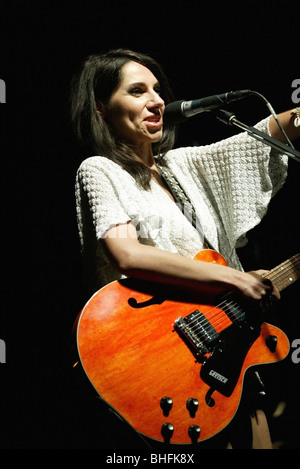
136, 90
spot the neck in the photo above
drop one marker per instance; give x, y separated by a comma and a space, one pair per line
145, 155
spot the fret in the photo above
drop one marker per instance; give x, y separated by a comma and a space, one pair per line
285, 273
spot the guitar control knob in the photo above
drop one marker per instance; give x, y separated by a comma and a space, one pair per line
194, 433
192, 405
271, 342
166, 403
167, 431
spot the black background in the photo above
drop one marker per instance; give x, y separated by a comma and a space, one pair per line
204, 49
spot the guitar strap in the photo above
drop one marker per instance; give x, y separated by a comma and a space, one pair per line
181, 198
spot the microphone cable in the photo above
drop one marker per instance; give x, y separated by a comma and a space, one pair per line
269, 106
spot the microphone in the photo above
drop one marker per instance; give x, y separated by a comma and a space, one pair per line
178, 111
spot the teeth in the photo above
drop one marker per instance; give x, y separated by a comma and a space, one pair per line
153, 119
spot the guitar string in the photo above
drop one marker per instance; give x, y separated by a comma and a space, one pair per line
280, 268
289, 263
217, 320
290, 271
287, 268
215, 316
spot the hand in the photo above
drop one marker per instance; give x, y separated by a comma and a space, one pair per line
257, 285
267, 291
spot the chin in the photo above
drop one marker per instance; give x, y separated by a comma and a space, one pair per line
157, 138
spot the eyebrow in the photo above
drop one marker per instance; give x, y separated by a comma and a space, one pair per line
141, 83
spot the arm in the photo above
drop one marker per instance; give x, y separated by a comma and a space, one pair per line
287, 121
150, 263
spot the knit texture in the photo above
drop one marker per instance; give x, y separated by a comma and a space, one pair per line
230, 184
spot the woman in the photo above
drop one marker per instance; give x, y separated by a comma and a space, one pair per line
143, 209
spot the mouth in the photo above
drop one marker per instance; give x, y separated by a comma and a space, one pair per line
154, 120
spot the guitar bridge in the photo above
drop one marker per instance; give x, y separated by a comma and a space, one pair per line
197, 332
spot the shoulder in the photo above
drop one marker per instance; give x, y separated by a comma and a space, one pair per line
97, 162
100, 167
98, 173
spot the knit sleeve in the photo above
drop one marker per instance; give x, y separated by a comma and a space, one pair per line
97, 198
237, 177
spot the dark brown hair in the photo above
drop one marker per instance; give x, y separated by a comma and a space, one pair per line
99, 76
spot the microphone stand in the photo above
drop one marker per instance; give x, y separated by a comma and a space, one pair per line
229, 118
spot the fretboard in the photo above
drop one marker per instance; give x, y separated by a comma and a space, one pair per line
286, 273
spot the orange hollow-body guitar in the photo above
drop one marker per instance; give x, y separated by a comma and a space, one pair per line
173, 368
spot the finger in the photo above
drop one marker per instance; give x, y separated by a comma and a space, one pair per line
271, 289
262, 272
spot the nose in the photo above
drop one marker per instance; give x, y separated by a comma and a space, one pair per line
155, 100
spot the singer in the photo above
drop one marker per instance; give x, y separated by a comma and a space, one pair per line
144, 209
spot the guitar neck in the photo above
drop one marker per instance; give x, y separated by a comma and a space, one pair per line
286, 273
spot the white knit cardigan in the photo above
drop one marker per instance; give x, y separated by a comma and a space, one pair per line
230, 183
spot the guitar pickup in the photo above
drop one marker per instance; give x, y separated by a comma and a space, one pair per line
197, 332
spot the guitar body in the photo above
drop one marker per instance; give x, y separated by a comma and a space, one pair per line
133, 356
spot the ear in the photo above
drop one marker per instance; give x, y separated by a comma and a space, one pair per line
101, 109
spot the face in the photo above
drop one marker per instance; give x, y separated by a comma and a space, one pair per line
135, 109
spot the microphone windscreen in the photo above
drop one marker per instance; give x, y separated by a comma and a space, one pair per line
173, 113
